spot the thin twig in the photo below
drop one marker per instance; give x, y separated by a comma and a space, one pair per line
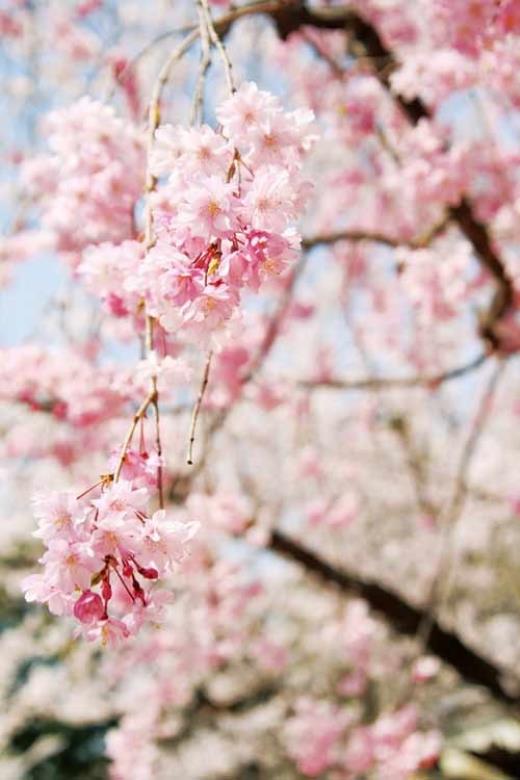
130, 433
217, 42
197, 407
158, 448
431, 381
271, 333
204, 63
131, 63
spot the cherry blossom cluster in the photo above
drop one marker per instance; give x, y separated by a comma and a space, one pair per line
225, 215
62, 383
472, 26
322, 736
105, 270
89, 183
224, 222
102, 556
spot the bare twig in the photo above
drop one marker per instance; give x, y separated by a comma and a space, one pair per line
205, 60
139, 415
430, 382
217, 42
197, 407
158, 448
264, 350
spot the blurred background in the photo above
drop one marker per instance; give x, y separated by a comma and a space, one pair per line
351, 606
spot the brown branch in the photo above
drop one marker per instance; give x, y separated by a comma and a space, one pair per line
402, 616
391, 383
197, 407
502, 301
367, 39
325, 239
420, 242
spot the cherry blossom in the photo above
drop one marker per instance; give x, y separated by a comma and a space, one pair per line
261, 279
105, 542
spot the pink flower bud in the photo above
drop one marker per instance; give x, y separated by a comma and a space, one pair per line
89, 607
106, 590
127, 568
148, 573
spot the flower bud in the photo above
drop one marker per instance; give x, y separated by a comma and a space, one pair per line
89, 607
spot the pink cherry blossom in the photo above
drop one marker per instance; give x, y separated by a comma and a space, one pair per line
111, 552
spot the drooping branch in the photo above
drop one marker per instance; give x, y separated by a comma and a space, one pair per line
402, 616
271, 334
480, 240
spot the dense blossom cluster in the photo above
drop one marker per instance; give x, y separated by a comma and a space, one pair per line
102, 555
224, 216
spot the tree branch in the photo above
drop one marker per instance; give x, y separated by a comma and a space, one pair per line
325, 239
294, 16
420, 242
431, 381
402, 616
